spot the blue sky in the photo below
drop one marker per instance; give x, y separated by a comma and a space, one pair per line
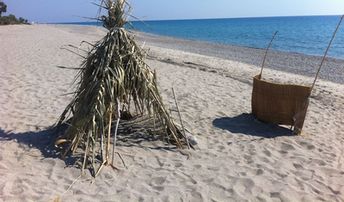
74, 10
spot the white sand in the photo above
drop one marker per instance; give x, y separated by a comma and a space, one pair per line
235, 161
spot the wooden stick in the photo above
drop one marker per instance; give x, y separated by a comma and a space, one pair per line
327, 49
120, 156
168, 120
180, 118
70, 186
266, 52
99, 169
86, 152
115, 136
102, 146
109, 136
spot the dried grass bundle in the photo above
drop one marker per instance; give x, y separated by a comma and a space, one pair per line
112, 80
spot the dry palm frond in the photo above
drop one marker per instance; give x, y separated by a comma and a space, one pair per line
112, 78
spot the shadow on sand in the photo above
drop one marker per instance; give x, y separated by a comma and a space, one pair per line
248, 125
141, 135
42, 140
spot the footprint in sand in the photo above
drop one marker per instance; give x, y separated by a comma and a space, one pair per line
244, 186
298, 166
260, 172
275, 195
221, 148
197, 166
196, 196
178, 165
267, 153
287, 147
158, 181
307, 145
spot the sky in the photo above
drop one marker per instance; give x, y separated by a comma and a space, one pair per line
53, 11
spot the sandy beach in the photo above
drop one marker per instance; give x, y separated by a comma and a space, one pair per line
237, 158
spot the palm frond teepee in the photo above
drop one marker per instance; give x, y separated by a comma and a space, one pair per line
112, 78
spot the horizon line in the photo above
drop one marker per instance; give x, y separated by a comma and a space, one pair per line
219, 18
245, 17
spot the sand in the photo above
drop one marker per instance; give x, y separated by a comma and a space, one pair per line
238, 158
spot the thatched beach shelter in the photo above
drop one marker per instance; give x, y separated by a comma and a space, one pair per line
113, 81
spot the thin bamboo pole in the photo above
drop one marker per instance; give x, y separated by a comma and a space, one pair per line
266, 52
180, 118
116, 130
86, 153
327, 49
109, 136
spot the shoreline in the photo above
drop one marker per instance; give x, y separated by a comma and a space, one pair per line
291, 62
147, 34
298, 63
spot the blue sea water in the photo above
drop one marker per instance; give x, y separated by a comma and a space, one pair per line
306, 34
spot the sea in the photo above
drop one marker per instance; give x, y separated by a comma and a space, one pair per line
302, 34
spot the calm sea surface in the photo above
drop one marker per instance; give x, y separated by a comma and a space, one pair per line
309, 35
